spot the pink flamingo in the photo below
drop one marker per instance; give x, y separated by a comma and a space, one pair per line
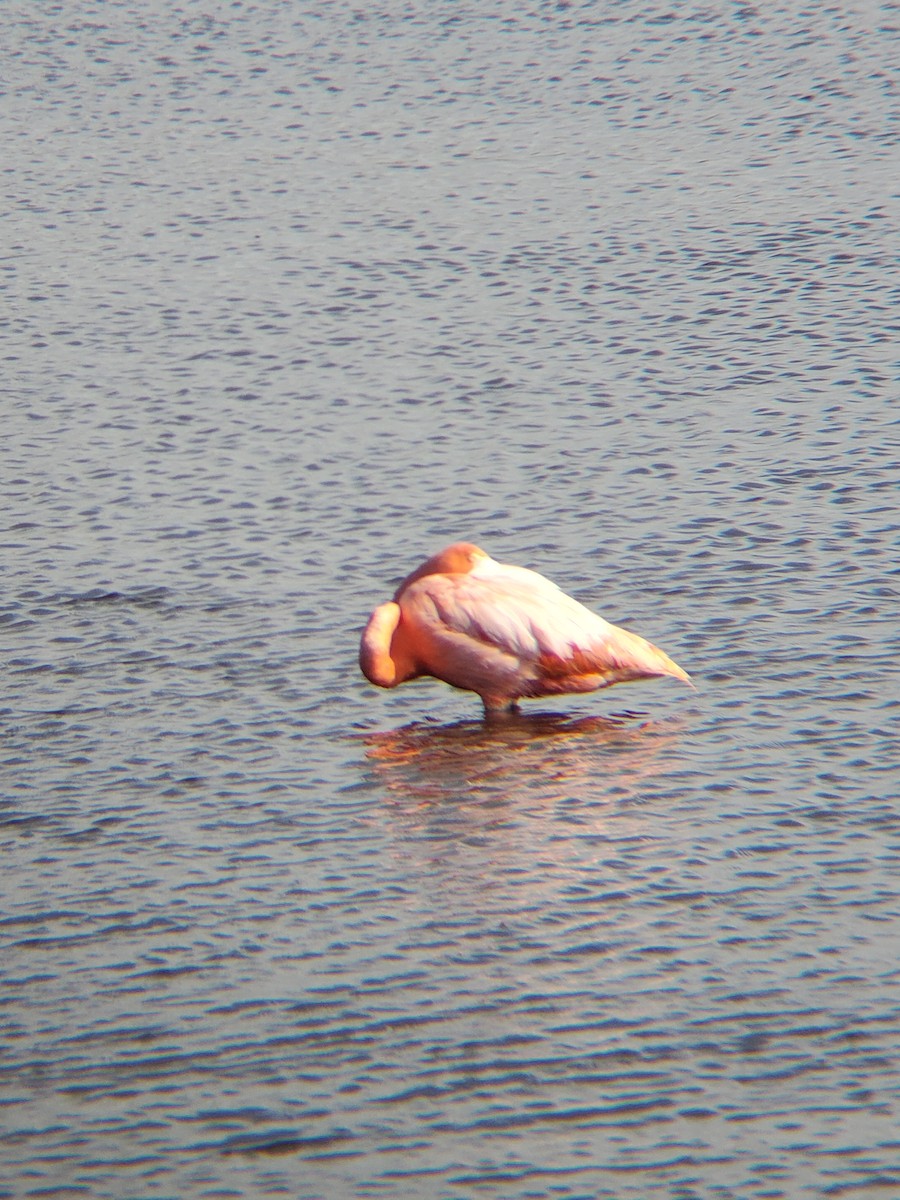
501, 631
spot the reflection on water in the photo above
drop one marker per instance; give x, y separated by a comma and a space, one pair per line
546, 756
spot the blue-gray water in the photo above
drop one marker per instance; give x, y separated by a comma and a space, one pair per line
292, 296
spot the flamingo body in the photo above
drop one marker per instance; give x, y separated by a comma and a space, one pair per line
504, 632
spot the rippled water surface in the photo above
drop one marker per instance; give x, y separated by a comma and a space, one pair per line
292, 296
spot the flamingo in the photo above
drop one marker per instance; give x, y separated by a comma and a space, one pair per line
502, 631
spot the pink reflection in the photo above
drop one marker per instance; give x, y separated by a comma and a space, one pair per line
538, 756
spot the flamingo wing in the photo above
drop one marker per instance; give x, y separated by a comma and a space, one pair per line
517, 615
510, 632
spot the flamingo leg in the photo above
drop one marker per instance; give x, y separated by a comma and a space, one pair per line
496, 708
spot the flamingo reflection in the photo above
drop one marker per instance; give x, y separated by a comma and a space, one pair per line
543, 756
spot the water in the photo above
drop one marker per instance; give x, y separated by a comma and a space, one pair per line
292, 298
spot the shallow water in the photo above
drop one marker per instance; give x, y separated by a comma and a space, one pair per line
293, 299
